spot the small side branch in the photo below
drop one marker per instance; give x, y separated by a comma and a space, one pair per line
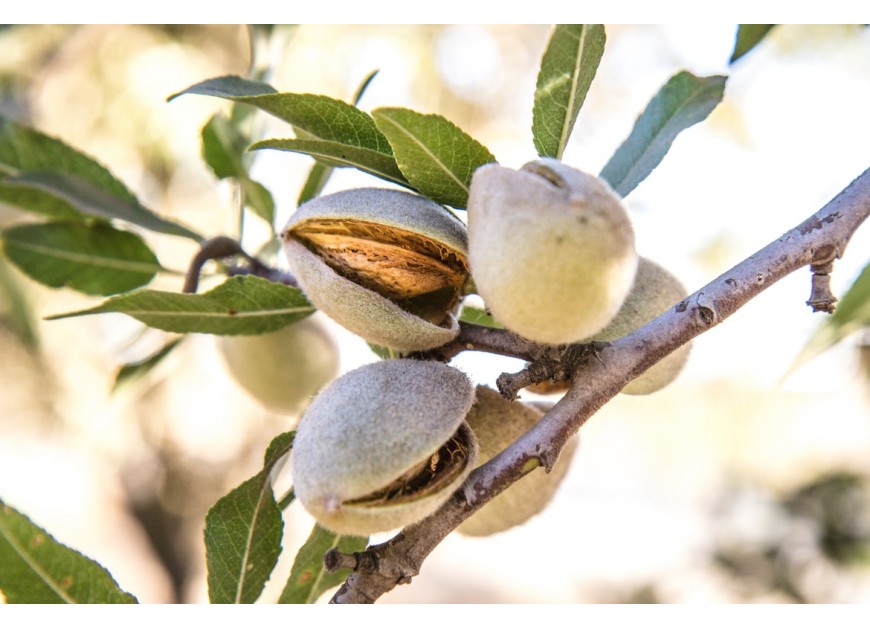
817, 241
222, 247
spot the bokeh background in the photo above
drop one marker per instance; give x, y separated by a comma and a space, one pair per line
747, 480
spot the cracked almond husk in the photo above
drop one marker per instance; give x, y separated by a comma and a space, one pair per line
384, 446
388, 265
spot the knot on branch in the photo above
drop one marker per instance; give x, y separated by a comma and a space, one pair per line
378, 568
552, 366
821, 298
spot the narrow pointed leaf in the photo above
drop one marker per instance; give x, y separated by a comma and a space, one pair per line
318, 116
567, 69
748, 37
341, 155
435, 156
43, 175
91, 258
318, 177
36, 569
223, 149
23, 149
89, 200
243, 534
16, 312
320, 173
851, 315
136, 370
241, 305
259, 199
308, 578
683, 101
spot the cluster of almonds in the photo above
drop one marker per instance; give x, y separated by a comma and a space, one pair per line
551, 251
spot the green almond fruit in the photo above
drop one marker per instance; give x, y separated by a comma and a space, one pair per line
384, 446
283, 370
551, 249
387, 265
496, 423
655, 289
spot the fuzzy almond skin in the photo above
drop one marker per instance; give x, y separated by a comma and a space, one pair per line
283, 370
365, 312
365, 430
551, 249
497, 422
655, 290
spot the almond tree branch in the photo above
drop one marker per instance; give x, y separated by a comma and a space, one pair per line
816, 241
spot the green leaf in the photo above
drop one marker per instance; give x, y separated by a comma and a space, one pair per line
36, 569
317, 179
16, 313
341, 155
136, 370
567, 69
320, 172
258, 198
683, 101
243, 534
320, 117
43, 175
23, 149
89, 200
435, 155
223, 149
309, 579
91, 258
478, 316
851, 315
241, 305
748, 36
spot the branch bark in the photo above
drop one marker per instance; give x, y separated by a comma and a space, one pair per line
817, 242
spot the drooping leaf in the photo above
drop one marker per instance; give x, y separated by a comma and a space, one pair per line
320, 117
90, 200
91, 258
259, 198
36, 569
223, 149
436, 156
16, 312
567, 69
318, 177
748, 36
852, 314
308, 578
136, 370
478, 316
340, 155
241, 305
23, 149
43, 175
683, 101
243, 534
